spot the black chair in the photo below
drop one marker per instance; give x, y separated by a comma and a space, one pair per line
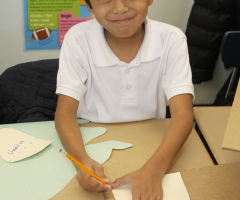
230, 53
27, 92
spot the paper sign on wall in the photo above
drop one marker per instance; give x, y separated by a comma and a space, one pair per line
42, 24
66, 20
16, 145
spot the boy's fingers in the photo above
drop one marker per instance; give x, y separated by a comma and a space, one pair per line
120, 181
90, 183
136, 195
100, 172
106, 180
100, 187
96, 186
107, 187
159, 197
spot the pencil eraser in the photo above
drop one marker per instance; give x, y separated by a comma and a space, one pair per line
63, 152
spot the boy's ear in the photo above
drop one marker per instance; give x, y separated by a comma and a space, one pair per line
150, 2
89, 9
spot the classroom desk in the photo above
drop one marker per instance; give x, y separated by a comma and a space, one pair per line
219, 182
212, 122
145, 137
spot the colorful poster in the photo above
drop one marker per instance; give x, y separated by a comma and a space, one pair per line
47, 21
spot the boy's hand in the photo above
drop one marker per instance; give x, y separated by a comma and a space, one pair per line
88, 182
145, 184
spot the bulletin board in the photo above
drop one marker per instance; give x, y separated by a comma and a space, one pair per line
47, 21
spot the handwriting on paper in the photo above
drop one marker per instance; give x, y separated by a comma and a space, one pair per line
16, 145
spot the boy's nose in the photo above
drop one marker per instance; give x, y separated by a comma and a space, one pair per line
120, 6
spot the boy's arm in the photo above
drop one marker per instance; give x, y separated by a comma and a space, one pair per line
146, 181
67, 127
71, 138
181, 125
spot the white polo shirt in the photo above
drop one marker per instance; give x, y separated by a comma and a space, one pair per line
110, 90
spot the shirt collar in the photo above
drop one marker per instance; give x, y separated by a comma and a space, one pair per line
103, 56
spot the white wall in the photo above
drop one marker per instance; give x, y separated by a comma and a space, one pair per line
175, 12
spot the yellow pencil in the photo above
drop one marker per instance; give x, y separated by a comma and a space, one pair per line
81, 165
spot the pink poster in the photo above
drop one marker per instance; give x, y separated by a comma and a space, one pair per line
66, 20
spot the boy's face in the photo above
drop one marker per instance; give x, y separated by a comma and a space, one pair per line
121, 18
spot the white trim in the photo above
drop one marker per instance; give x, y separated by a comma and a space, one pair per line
35, 35
48, 33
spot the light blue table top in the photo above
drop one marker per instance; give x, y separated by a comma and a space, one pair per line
38, 177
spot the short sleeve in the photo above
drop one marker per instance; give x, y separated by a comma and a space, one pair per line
177, 78
71, 76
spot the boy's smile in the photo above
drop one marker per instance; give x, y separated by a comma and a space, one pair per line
122, 21
121, 18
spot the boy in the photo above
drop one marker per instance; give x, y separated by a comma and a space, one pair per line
122, 65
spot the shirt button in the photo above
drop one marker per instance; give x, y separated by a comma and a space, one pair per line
128, 71
128, 87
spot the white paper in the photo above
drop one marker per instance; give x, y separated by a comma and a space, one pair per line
16, 145
173, 188
101, 152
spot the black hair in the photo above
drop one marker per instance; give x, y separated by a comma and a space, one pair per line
88, 3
